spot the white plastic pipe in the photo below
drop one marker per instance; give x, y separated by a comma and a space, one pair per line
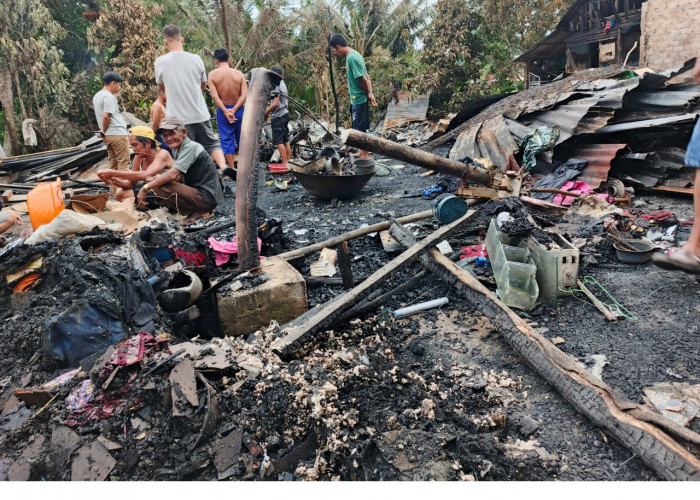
423, 306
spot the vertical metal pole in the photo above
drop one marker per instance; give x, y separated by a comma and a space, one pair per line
330, 67
262, 82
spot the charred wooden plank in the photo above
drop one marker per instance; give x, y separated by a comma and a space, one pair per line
344, 265
331, 242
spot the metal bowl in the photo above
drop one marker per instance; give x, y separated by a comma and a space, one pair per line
642, 255
329, 187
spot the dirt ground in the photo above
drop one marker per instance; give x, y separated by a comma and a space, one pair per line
436, 396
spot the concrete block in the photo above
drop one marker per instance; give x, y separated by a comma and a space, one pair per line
281, 298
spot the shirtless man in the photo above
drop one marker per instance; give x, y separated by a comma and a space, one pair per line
229, 90
157, 114
149, 161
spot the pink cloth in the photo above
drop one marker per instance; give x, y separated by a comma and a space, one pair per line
224, 249
576, 187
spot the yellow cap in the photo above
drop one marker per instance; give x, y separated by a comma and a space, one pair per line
145, 132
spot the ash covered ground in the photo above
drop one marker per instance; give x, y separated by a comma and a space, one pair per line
439, 395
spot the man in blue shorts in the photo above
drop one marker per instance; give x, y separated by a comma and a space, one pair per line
359, 84
229, 90
687, 258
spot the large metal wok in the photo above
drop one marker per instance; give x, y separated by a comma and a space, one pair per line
328, 187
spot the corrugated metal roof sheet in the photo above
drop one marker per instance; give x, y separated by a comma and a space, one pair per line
407, 110
528, 101
665, 99
657, 122
598, 156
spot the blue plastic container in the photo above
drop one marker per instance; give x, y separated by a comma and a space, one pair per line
447, 208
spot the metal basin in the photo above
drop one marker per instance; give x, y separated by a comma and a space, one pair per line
642, 255
328, 187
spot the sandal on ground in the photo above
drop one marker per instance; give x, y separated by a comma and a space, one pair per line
680, 260
230, 173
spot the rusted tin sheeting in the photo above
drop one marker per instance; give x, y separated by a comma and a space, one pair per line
496, 142
465, 146
540, 102
407, 110
565, 116
572, 118
598, 156
491, 139
497, 138
528, 101
612, 96
593, 121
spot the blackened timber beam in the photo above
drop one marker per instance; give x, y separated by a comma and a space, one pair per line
419, 158
262, 82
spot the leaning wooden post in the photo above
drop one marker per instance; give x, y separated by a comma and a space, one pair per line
262, 82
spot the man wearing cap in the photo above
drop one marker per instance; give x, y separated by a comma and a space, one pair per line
279, 118
229, 90
150, 160
192, 186
182, 76
359, 85
111, 122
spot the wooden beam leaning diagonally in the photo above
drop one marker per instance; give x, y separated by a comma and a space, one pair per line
296, 331
332, 242
626, 421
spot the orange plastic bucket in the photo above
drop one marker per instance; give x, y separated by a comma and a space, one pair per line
45, 202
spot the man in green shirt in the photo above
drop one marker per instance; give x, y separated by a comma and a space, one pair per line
359, 85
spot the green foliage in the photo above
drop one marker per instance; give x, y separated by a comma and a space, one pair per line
125, 36
470, 46
55, 51
28, 38
454, 53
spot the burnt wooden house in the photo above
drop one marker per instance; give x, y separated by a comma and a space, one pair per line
600, 33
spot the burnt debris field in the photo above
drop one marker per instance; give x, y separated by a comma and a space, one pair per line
135, 348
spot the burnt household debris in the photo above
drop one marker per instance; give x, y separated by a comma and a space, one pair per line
474, 303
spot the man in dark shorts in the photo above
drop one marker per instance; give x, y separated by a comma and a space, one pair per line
192, 187
359, 84
279, 118
181, 75
687, 258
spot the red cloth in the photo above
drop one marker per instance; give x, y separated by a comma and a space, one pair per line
473, 251
191, 258
659, 215
133, 349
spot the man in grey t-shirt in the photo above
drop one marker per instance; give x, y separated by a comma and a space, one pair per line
192, 186
183, 78
111, 122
